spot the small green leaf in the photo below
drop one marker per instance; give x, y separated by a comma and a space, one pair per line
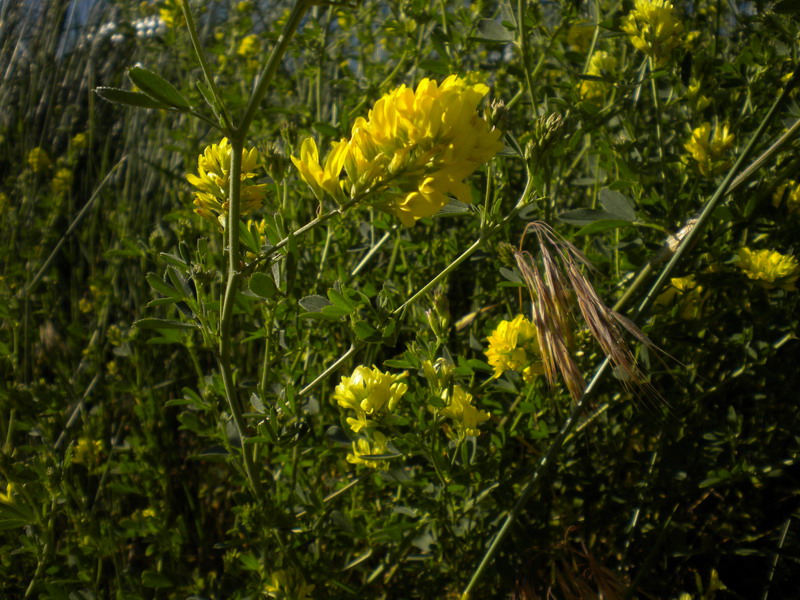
366, 332
137, 99
599, 226
341, 301
493, 31
325, 129
314, 304
152, 323
263, 285
153, 579
157, 87
584, 216
163, 288
174, 261
617, 204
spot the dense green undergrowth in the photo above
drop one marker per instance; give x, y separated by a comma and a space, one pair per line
341, 399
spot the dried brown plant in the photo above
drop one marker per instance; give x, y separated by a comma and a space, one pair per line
557, 284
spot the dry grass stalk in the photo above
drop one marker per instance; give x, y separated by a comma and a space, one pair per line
555, 288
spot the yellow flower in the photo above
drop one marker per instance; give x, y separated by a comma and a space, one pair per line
710, 150
288, 585
86, 451
368, 392
579, 36
460, 409
788, 194
38, 160
170, 13
364, 447
322, 180
697, 99
62, 182
685, 291
514, 346
415, 146
78, 141
600, 64
653, 28
770, 269
4, 202
248, 46
6, 497
213, 167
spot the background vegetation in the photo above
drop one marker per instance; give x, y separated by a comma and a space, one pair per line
121, 471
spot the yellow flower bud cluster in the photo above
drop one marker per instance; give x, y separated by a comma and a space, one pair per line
416, 147
687, 294
653, 29
38, 160
787, 194
601, 63
369, 393
514, 346
213, 181
459, 408
62, 182
710, 150
768, 268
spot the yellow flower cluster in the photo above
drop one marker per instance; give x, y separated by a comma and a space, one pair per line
459, 408
416, 147
514, 346
653, 28
769, 268
687, 293
288, 585
709, 151
39, 160
600, 64
86, 451
249, 46
580, 35
213, 181
787, 194
62, 182
369, 393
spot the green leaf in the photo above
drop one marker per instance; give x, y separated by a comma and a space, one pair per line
439, 67
157, 87
341, 301
153, 579
584, 216
163, 288
494, 32
314, 303
366, 332
335, 311
599, 226
137, 99
617, 204
263, 285
174, 261
325, 129
152, 323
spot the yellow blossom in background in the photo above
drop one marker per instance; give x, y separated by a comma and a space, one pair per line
6, 497
710, 151
171, 13
600, 64
4, 202
288, 584
579, 36
62, 182
213, 181
787, 194
653, 29
249, 46
79, 141
699, 102
368, 392
374, 447
86, 451
768, 268
686, 292
459, 408
416, 146
514, 346
39, 160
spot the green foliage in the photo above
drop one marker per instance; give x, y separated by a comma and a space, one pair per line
168, 426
